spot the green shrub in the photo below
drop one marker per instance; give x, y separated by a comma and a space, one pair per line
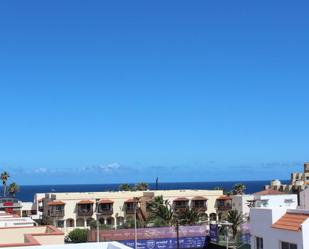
78, 236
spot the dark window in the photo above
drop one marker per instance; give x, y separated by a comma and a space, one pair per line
259, 243
287, 245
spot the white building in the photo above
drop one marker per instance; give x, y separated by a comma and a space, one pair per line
272, 198
279, 228
13, 220
267, 199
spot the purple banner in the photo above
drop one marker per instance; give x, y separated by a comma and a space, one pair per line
213, 233
168, 243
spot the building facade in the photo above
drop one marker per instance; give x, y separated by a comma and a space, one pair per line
70, 210
279, 228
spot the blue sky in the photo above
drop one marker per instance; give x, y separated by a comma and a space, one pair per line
125, 91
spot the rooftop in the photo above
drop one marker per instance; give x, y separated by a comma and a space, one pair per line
270, 192
291, 221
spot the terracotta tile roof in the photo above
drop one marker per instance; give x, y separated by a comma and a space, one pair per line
199, 198
85, 202
291, 221
269, 192
55, 203
224, 198
130, 200
181, 199
106, 201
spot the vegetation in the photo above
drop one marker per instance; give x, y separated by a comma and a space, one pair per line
125, 187
130, 223
4, 177
141, 186
13, 189
161, 212
78, 236
236, 218
239, 189
189, 217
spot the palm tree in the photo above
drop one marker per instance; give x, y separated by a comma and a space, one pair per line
188, 217
125, 187
4, 177
141, 186
236, 219
13, 189
239, 189
161, 212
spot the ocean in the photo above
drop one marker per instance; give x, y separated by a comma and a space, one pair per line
27, 191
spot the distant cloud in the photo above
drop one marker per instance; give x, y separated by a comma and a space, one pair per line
110, 167
41, 170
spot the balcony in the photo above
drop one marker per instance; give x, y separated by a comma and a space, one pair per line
105, 211
105, 207
130, 206
56, 213
85, 208
181, 204
199, 204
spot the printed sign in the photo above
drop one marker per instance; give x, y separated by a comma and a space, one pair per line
213, 233
168, 243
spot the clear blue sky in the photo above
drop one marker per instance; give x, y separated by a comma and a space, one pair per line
124, 91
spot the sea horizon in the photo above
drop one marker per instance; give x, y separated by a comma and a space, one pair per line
27, 192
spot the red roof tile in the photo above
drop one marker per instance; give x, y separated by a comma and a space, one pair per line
199, 198
269, 192
181, 199
291, 221
224, 198
85, 202
55, 203
106, 201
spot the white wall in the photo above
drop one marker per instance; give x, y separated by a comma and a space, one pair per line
278, 200
304, 199
240, 203
261, 220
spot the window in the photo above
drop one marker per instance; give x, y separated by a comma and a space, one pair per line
258, 243
60, 223
287, 245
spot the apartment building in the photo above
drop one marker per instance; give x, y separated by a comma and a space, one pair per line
70, 210
298, 182
279, 228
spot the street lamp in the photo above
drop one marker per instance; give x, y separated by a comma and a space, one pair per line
227, 225
136, 201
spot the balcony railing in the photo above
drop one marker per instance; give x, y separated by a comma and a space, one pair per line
224, 207
56, 213
85, 212
130, 210
105, 211
199, 208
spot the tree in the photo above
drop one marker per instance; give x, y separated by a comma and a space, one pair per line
161, 212
188, 217
125, 187
141, 186
78, 236
236, 219
4, 177
13, 189
239, 189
